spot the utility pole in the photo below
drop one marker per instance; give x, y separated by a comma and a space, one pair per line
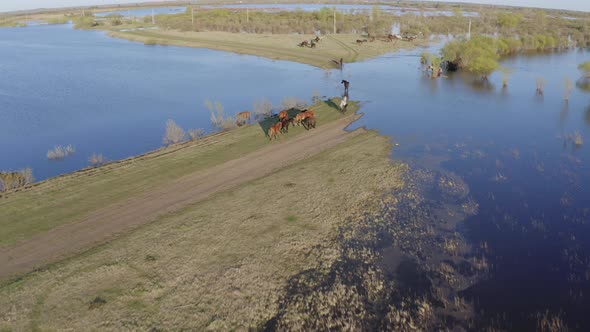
469, 32
334, 20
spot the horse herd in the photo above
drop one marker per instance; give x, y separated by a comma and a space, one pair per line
311, 43
305, 118
389, 38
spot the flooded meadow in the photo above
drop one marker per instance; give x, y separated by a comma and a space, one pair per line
492, 230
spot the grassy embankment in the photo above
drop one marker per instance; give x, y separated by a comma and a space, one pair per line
220, 264
65, 199
274, 46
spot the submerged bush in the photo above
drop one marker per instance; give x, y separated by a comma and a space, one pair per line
60, 152
97, 160
85, 22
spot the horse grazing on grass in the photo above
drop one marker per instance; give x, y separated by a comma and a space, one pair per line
285, 125
299, 118
283, 116
309, 122
312, 44
304, 43
242, 118
361, 41
275, 130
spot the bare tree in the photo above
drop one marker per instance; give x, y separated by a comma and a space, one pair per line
195, 134
293, 102
262, 108
174, 133
218, 117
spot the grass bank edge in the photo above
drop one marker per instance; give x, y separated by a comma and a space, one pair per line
44, 205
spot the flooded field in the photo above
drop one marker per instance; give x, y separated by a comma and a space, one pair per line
289, 7
497, 215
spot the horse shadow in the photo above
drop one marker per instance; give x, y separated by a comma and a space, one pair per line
332, 104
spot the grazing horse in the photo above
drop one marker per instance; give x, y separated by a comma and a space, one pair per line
283, 116
346, 85
312, 44
304, 43
285, 125
309, 123
242, 118
275, 130
299, 118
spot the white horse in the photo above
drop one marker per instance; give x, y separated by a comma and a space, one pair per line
344, 103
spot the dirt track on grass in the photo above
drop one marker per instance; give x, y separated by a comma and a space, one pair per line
105, 224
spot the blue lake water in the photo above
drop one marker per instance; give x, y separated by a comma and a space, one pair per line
62, 86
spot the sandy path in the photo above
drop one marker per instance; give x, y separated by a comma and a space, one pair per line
103, 225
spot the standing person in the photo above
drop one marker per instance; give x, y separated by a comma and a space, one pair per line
341, 63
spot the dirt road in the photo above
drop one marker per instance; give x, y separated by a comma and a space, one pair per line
103, 225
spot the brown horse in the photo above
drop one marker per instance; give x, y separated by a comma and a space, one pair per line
312, 44
242, 118
286, 124
309, 122
299, 118
275, 130
304, 43
283, 116
316, 39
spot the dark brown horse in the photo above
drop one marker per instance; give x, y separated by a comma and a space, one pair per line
304, 43
309, 123
283, 116
346, 85
286, 124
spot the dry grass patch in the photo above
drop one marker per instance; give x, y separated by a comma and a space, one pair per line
221, 264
